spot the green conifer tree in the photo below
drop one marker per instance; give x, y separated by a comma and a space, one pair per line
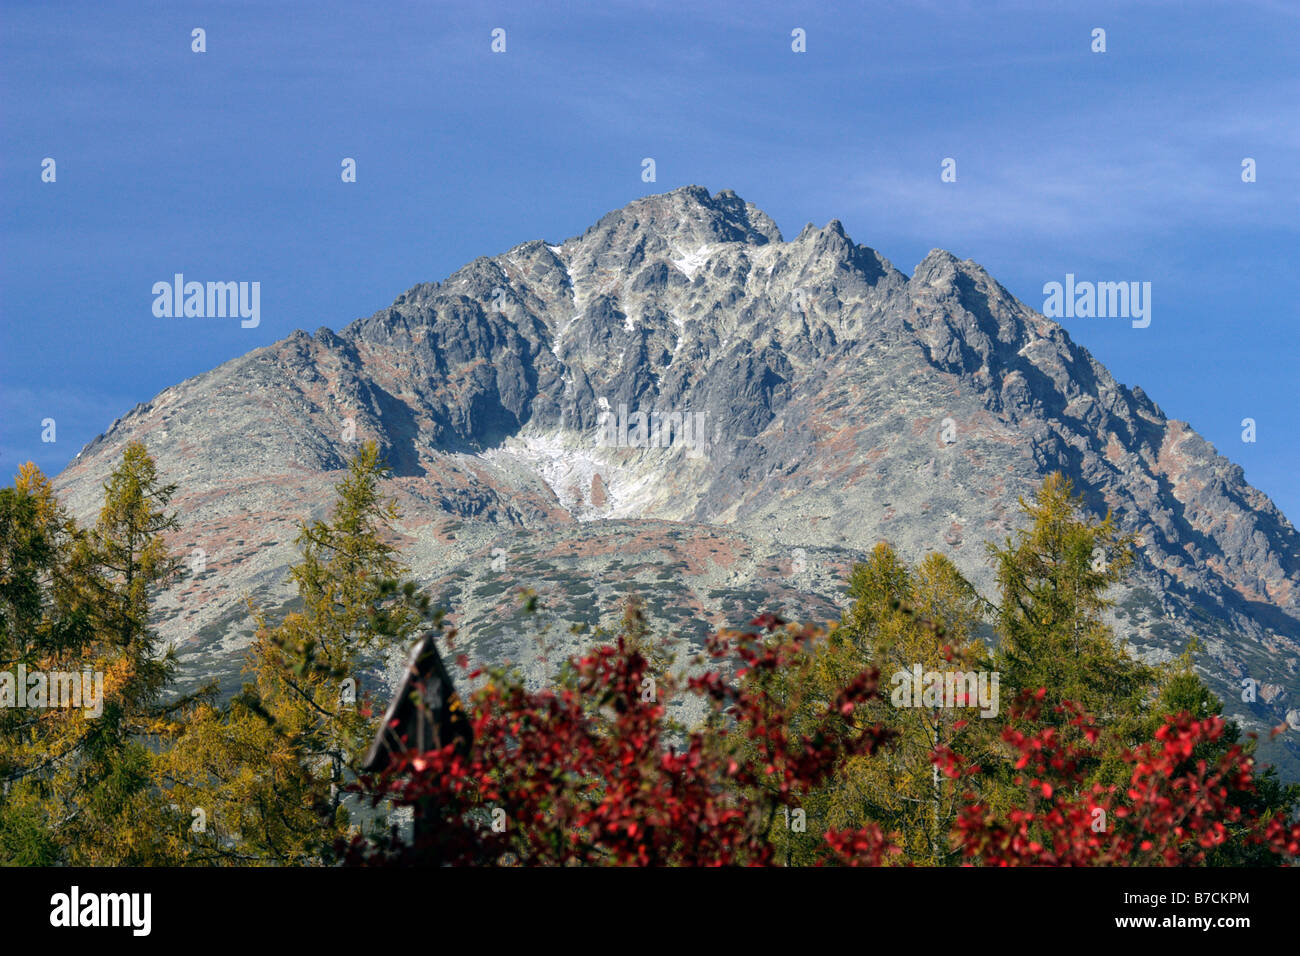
272, 765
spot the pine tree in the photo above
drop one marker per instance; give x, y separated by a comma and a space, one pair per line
900, 618
272, 765
904, 621
43, 627
114, 811
1053, 577
82, 785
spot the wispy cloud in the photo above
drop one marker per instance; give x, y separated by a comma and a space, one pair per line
1097, 174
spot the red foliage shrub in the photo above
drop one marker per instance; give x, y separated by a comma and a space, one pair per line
1175, 809
596, 773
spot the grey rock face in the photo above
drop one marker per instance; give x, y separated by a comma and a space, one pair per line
807, 397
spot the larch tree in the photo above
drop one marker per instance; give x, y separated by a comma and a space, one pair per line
270, 768
44, 626
115, 811
1053, 578
83, 778
900, 620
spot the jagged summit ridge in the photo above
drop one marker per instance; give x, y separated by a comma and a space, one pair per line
689, 214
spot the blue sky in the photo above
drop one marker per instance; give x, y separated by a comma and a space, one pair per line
225, 166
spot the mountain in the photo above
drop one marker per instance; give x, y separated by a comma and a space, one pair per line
812, 399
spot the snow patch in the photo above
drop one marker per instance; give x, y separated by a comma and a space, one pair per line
567, 461
681, 333
568, 273
559, 336
691, 263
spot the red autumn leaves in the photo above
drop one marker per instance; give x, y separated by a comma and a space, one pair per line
598, 773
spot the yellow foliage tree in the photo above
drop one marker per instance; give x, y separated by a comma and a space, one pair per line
269, 769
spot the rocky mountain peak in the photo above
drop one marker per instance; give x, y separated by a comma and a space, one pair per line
672, 225
832, 401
